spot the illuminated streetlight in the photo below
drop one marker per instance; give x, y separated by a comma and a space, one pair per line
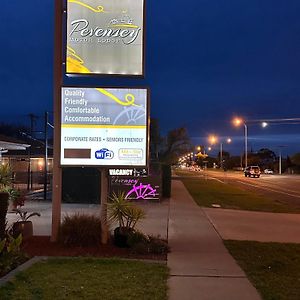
238, 122
212, 139
264, 124
221, 151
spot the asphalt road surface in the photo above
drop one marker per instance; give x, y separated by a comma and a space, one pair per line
281, 187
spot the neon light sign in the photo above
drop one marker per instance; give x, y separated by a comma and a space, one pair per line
141, 188
142, 191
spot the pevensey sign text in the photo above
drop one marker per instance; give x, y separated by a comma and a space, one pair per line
82, 27
105, 37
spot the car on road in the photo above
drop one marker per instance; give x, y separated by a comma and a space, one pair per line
198, 169
252, 171
268, 171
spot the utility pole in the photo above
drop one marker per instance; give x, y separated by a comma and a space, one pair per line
33, 119
280, 159
46, 156
246, 145
280, 162
221, 155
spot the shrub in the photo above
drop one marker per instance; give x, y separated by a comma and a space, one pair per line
136, 237
10, 254
3, 211
5, 176
80, 230
143, 244
158, 246
5, 181
140, 248
124, 212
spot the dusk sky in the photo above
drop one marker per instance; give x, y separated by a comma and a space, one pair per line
206, 61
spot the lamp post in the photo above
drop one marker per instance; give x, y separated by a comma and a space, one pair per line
279, 169
287, 121
264, 123
221, 155
237, 122
228, 141
280, 159
246, 145
213, 140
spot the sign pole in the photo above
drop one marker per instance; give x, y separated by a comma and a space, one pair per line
104, 195
57, 172
46, 156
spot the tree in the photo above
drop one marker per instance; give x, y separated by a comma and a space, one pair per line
177, 143
225, 155
266, 153
253, 159
267, 158
12, 130
233, 162
296, 159
155, 138
208, 162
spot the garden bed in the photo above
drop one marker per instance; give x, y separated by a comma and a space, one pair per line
41, 246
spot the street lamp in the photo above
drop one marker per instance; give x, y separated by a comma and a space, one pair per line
213, 140
238, 122
280, 160
228, 141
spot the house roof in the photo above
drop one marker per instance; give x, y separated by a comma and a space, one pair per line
9, 143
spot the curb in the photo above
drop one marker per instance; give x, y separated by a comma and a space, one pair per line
103, 258
11, 275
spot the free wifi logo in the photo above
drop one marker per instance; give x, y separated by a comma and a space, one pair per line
104, 153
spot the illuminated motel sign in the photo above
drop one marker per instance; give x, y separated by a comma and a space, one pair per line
100, 127
137, 188
105, 37
104, 127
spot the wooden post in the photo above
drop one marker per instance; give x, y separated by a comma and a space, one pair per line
104, 195
57, 173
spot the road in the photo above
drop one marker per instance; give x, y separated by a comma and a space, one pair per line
279, 187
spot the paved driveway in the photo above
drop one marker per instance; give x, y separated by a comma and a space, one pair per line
155, 223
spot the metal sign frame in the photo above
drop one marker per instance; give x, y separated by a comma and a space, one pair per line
147, 130
102, 74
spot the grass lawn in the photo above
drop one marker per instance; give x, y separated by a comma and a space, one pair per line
89, 278
273, 268
208, 191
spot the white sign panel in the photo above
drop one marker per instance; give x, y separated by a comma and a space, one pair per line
105, 37
104, 127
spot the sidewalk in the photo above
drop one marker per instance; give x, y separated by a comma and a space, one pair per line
200, 265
